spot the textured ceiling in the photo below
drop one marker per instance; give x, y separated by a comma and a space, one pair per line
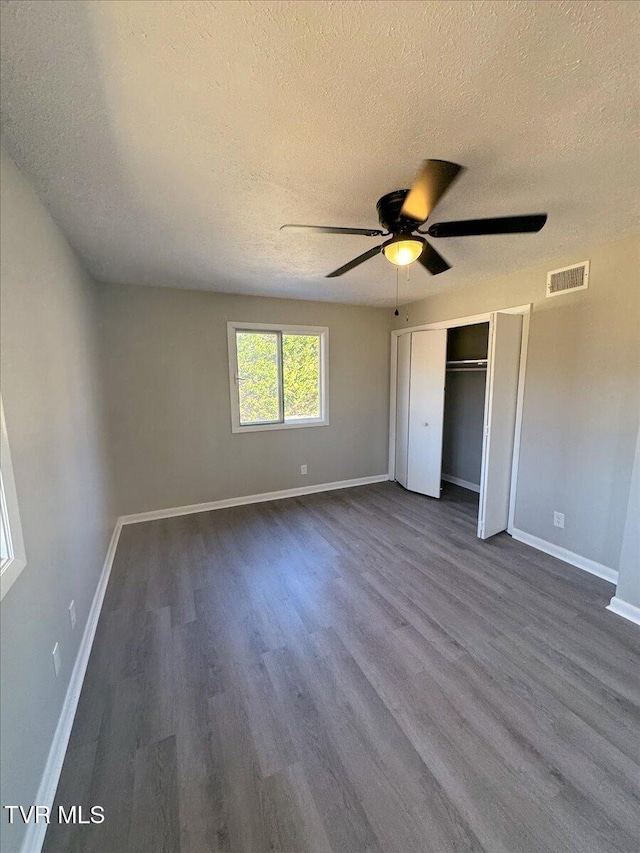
171, 139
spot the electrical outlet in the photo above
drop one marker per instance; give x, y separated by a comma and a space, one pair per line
56, 659
303, 469
558, 519
72, 614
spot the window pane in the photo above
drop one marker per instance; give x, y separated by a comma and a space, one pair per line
4, 546
301, 376
4, 525
258, 394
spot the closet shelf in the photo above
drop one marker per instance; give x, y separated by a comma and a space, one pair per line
468, 364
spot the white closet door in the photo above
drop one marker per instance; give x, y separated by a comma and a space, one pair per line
426, 411
499, 422
402, 408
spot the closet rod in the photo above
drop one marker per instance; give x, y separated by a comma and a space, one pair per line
466, 369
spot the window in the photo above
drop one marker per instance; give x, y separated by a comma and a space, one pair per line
278, 376
12, 557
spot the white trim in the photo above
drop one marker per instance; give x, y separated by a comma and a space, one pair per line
278, 327
473, 487
16, 559
469, 320
584, 563
251, 499
517, 435
35, 832
624, 609
299, 424
320, 331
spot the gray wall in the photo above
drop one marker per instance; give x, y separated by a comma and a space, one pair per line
463, 422
167, 384
50, 389
581, 402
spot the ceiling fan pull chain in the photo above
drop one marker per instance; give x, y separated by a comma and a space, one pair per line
396, 312
408, 293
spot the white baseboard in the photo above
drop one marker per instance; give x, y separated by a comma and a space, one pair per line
34, 835
566, 556
458, 482
624, 609
250, 499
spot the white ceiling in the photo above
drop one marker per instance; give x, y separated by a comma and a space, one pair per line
170, 140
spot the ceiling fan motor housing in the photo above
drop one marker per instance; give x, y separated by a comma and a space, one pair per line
389, 207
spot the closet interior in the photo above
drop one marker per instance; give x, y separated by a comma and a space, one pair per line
464, 400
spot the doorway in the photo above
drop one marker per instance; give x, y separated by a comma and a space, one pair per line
456, 398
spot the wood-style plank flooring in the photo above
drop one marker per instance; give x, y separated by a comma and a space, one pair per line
353, 671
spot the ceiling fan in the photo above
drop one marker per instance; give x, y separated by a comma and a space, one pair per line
402, 212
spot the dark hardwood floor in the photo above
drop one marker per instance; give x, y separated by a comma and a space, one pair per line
353, 671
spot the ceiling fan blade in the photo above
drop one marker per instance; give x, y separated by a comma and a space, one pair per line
355, 262
432, 260
433, 181
499, 225
330, 229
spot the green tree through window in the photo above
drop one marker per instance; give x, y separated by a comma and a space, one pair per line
258, 383
301, 376
277, 372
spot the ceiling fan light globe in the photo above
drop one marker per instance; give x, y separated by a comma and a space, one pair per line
403, 252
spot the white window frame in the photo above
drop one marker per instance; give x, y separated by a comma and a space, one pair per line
321, 331
15, 560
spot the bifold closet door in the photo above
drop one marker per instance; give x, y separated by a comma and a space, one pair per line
402, 408
426, 411
503, 369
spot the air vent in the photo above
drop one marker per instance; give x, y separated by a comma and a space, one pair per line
575, 277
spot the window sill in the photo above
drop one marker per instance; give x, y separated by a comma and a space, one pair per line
290, 425
9, 572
